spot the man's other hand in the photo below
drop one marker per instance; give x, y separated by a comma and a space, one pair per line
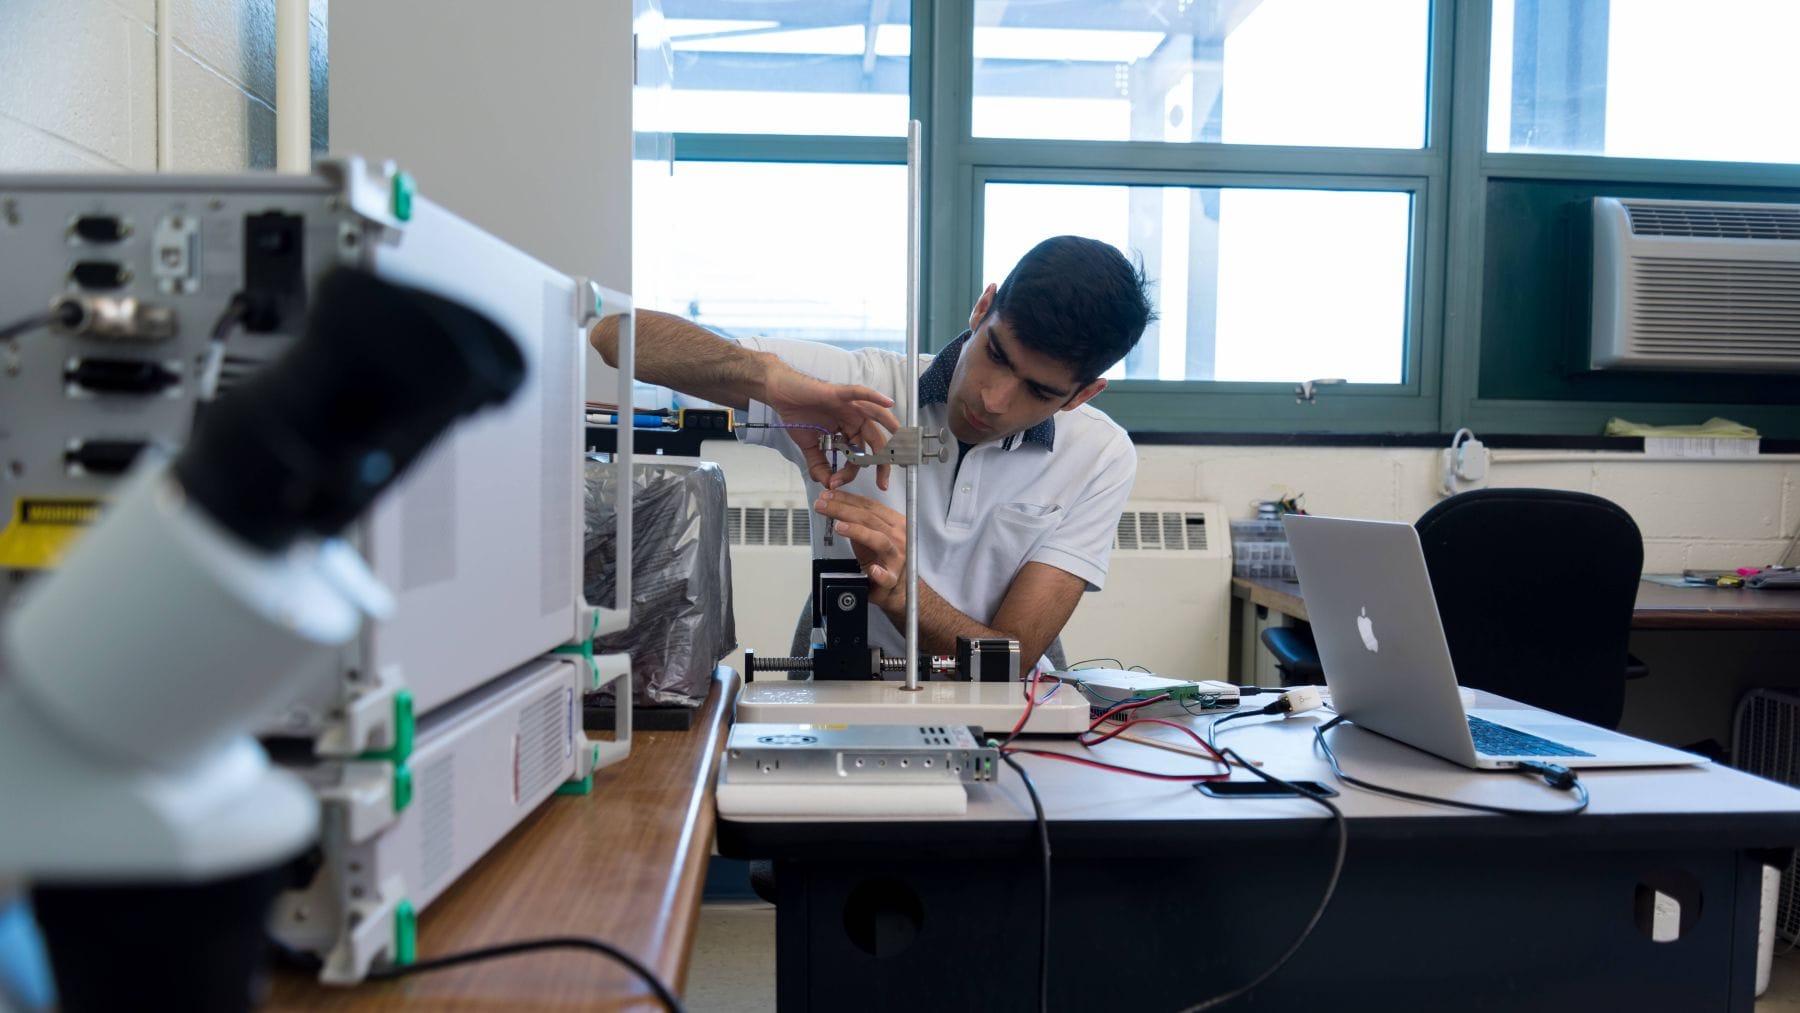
877, 535
861, 413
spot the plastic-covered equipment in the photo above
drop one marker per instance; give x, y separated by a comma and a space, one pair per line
681, 616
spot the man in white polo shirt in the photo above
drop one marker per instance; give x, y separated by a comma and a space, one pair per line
1021, 521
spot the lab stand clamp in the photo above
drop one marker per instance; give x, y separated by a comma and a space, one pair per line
840, 590
908, 447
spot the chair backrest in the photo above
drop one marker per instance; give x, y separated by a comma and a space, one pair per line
1536, 589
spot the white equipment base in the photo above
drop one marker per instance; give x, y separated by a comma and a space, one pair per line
994, 706
833, 801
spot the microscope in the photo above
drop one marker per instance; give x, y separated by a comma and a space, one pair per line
152, 830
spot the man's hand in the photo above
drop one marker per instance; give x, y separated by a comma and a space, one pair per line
1037, 603
861, 413
877, 534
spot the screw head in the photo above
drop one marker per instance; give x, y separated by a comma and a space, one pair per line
846, 601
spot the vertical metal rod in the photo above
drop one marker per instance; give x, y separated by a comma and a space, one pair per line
915, 172
293, 91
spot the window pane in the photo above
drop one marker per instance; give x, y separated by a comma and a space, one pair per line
1250, 285
733, 250
1304, 72
1646, 79
770, 67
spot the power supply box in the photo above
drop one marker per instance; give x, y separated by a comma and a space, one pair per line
395, 835
863, 754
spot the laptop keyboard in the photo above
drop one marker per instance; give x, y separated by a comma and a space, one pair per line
1499, 740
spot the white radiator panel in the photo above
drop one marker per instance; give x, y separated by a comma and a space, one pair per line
1167, 601
771, 562
1166, 605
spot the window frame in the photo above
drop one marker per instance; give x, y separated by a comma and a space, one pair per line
1472, 169
1448, 179
961, 165
1238, 405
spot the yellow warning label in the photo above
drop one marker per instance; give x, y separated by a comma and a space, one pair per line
43, 527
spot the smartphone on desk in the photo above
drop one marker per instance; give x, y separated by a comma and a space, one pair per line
1259, 789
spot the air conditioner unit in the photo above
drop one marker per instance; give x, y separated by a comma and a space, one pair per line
1696, 285
1166, 606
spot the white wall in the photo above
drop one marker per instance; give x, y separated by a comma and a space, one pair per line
78, 84
517, 117
1692, 514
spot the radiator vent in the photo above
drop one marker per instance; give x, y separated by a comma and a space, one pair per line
755, 525
1168, 530
1714, 221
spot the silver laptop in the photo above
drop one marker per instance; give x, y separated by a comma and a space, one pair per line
1382, 646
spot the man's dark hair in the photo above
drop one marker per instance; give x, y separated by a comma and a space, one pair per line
1078, 301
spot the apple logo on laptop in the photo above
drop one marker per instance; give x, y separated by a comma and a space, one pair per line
1366, 627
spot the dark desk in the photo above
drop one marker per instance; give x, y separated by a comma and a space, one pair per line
625, 864
1163, 897
1659, 607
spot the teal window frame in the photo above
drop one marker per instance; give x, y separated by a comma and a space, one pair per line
1448, 179
1473, 169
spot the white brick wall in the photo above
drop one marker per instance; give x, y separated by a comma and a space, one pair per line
78, 84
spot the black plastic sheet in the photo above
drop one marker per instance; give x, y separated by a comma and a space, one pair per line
681, 618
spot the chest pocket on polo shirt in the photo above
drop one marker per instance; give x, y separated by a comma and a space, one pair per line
1013, 533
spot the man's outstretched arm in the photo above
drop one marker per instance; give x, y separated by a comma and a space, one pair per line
672, 352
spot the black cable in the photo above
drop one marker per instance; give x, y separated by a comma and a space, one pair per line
213, 366
1337, 870
1581, 793
1043, 825
1342, 828
1279, 706
30, 323
232, 315
662, 991
1213, 729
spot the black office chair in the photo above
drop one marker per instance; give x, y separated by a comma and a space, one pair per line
1535, 588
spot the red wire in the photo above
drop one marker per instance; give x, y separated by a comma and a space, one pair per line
1030, 702
1183, 729
1085, 740
1129, 705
